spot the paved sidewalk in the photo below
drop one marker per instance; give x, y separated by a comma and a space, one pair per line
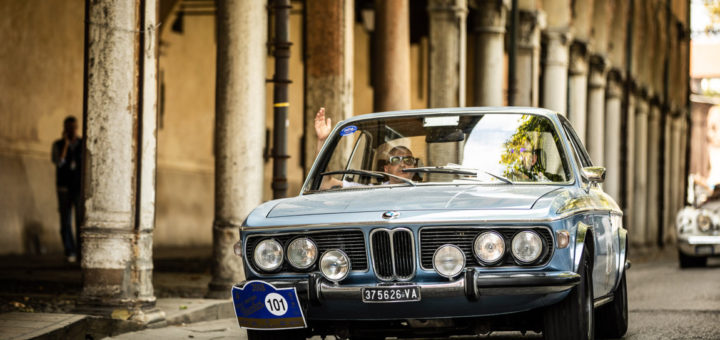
17, 325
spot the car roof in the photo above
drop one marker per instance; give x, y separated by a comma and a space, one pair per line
455, 110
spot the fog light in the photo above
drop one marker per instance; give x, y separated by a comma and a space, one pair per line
237, 248
268, 255
335, 265
526, 246
448, 260
563, 239
489, 247
302, 253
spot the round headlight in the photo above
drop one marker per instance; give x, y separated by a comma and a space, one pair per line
335, 265
448, 260
489, 247
526, 246
704, 223
302, 253
268, 255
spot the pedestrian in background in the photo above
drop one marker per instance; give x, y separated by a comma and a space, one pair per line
67, 157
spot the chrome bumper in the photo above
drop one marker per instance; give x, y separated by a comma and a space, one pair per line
472, 285
699, 245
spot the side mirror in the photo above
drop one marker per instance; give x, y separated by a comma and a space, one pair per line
594, 174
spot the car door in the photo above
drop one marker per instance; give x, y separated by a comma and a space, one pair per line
604, 264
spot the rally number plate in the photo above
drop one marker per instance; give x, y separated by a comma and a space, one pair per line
260, 305
391, 294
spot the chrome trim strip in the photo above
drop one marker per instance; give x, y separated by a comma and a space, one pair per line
272, 275
535, 283
603, 300
411, 222
494, 227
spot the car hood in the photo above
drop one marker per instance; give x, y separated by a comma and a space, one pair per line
477, 197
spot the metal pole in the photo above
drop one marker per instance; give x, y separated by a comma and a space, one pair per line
280, 96
512, 53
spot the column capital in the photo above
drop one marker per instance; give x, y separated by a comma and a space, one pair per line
614, 86
599, 66
561, 35
490, 15
457, 7
530, 22
578, 58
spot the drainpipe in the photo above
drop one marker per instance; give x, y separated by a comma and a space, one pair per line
281, 104
512, 53
626, 100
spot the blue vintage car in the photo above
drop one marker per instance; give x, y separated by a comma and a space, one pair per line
439, 222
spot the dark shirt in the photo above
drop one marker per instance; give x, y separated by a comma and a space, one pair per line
68, 170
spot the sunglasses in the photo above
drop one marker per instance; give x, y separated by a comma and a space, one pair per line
408, 160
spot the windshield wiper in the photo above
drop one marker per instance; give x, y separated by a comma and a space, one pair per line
498, 177
374, 174
454, 171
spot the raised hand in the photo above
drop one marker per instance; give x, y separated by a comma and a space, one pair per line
322, 126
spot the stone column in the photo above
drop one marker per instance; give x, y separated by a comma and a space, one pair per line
640, 190
447, 52
239, 99
391, 56
490, 52
595, 132
447, 68
613, 118
577, 89
119, 168
653, 173
328, 65
528, 58
555, 76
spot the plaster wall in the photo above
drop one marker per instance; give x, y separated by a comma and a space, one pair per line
41, 78
41, 81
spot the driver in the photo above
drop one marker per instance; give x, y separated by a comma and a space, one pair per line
399, 157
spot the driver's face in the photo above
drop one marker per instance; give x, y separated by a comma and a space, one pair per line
395, 168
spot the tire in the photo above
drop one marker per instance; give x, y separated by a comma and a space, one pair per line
687, 261
294, 334
574, 317
612, 319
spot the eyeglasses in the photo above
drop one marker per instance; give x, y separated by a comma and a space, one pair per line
408, 160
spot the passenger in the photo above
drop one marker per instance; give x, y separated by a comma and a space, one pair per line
398, 158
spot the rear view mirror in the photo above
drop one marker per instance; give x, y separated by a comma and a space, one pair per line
444, 134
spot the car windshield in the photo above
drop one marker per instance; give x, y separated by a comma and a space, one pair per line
488, 148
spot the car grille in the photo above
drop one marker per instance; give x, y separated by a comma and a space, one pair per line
393, 253
463, 237
352, 242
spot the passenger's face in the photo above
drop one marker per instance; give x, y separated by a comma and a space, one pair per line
397, 161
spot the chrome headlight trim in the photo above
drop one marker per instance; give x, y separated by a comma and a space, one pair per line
309, 261
462, 263
501, 245
339, 254
540, 248
258, 257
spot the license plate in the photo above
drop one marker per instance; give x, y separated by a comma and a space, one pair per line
704, 250
391, 294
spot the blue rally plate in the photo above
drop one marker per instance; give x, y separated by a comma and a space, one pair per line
259, 305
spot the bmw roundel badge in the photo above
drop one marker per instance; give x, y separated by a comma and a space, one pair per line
390, 214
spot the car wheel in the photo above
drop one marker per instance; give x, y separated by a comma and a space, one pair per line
574, 317
612, 319
687, 261
276, 335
